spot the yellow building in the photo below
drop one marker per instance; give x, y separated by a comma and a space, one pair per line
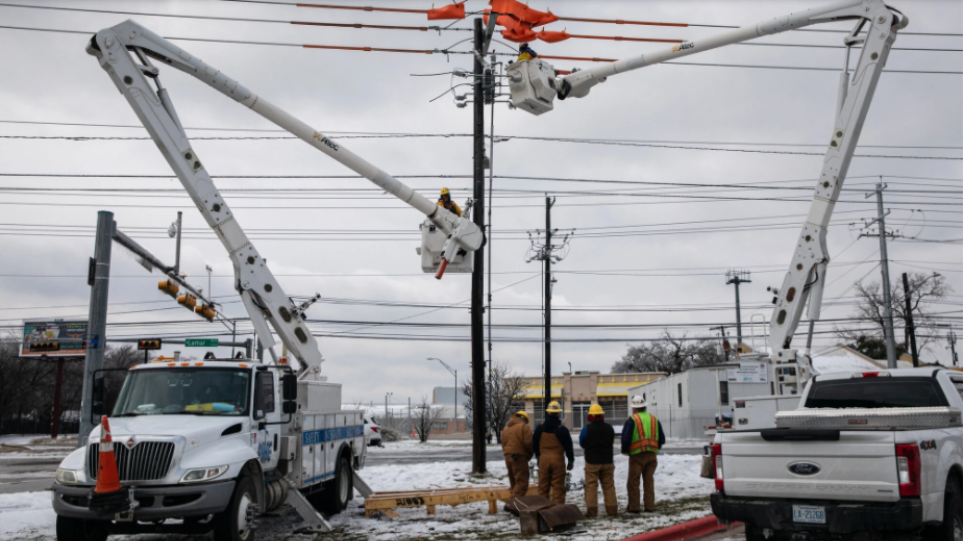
577, 391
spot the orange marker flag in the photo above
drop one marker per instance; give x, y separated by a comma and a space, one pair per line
454, 11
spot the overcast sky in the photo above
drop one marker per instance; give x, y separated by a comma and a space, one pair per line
658, 253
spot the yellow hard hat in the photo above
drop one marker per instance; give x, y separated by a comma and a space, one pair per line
444, 191
596, 409
553, 407
522, 414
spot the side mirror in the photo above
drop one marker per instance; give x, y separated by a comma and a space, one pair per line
289, 387
97, 402
289, 406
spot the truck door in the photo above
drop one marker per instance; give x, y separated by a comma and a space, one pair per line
267, 415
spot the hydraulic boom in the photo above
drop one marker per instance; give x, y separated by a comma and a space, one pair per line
263, 297
534, 86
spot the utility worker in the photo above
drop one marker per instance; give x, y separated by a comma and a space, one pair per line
445, 201
517, 447
552, 443
598, 438
526, 53
642, 437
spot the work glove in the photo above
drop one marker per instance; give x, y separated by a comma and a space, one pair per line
571, 465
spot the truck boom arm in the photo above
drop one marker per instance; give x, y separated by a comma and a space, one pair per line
807, 273
263, 297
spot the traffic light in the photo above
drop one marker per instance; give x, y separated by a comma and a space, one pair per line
169, 287
187, 300
152, 343
206, 311
45, 346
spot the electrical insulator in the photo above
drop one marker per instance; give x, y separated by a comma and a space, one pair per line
169, 287
206, 311
153, 343
187, 300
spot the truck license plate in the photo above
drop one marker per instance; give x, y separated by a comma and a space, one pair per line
809, 514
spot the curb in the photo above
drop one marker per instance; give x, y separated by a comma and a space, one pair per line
686, 530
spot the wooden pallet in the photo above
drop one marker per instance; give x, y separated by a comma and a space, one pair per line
387, 502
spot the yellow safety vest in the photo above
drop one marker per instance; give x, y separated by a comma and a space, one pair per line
645, 435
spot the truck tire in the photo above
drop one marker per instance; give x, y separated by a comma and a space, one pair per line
78, 529
236, 523
334, 498
951, 529
754, 533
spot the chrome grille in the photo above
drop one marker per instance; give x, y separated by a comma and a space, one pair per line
146, 461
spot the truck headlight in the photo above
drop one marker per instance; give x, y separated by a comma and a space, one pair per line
66, 477
203, 474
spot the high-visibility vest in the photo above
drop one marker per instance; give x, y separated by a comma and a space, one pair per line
645, 435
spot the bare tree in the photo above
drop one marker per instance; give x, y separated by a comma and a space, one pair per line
423, 418
924, 289
669, 354
505, 389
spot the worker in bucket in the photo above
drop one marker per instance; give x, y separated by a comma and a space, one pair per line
445, 201
552, 443
517, 447
642, 437
526, 53
598, 438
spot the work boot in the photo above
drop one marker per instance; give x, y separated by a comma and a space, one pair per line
591, 512
633, 511
612, 511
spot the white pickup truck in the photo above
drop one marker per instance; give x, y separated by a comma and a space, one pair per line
867, 455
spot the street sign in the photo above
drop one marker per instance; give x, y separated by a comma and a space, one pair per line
200, 343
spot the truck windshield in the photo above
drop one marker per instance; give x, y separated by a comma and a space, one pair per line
875, 393
201, 391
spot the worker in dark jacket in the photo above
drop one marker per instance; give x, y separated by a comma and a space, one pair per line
598, 438
642, 437
552, 443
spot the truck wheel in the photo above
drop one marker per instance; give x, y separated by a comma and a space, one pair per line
754, 533
334, 498
236, 523
78, 529
952, 527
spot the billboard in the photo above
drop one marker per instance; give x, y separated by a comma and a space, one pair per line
54, 338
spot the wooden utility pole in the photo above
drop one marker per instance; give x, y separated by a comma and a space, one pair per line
478, 376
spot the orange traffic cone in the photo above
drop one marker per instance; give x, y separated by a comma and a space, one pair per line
108, 497
413, 435
108, 479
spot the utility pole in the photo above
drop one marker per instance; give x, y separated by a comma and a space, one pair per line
884, 269
951, 337
478, 376
98, 278
55, 422
725, 341
549, 201
910, 327
738, 277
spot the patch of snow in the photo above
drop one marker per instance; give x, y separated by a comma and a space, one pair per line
26, 515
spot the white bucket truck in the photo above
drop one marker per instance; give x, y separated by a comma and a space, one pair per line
214, 443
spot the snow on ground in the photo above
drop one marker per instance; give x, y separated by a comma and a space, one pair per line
26, 516
681, 495
35, 446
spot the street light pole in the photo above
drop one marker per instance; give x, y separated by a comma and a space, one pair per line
386, 405
455, 396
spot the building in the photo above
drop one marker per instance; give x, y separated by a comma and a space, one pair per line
577, 391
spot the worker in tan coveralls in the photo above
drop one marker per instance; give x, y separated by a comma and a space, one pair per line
517, 447
552, 443
642, 437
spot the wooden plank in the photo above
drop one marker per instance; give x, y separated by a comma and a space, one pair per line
430, 499
431, 509
492, 507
